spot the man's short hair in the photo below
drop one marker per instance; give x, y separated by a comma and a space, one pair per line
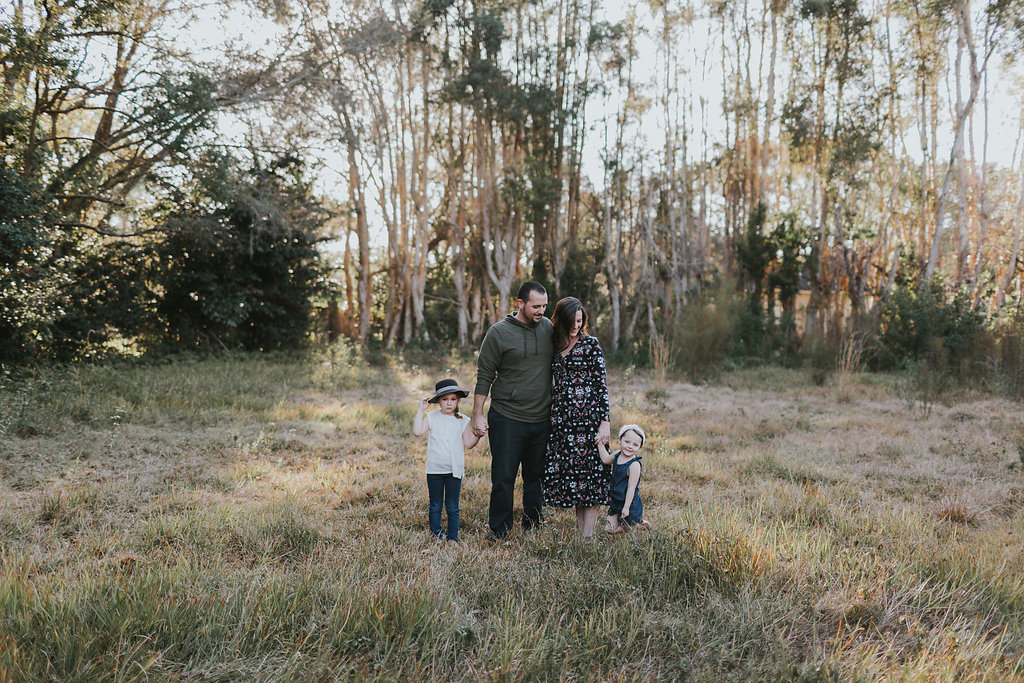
531, 286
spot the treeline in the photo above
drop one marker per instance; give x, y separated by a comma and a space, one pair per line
125, 224
836, 184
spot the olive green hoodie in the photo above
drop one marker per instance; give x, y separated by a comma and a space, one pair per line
515, 367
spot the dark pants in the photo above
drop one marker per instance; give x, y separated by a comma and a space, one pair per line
514, 443
444, 492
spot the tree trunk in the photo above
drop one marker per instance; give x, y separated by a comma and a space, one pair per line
1011, 266
358, 199
964, 27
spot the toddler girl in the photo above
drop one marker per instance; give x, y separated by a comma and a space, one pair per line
626, 508
450, 431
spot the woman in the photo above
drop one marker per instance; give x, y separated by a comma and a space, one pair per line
574, 476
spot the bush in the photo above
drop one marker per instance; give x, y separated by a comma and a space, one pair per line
441, 309
919, 325
107, 296
26, 262
706, 333
239, 265
232, 264
1007, 363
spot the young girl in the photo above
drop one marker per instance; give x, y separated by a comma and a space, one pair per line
450, 431
626, 509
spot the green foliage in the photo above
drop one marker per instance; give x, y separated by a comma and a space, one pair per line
63, 293
579, 277
1006, 366
769, 265
106, 295
24, 256
239, 266
84, 125
67, 295
919, 324
791, 243
234, 265
754, 252
440, 309
50, 47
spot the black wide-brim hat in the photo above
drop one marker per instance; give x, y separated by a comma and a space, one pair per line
445, 387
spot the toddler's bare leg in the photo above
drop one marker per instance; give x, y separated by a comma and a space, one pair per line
615, 526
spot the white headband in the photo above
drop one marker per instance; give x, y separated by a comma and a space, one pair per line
634, 428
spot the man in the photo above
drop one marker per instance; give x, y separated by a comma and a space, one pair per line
514, 366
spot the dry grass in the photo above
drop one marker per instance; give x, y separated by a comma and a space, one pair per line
247, 518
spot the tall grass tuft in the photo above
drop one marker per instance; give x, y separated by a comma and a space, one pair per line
851, 352
279, 533
956, 509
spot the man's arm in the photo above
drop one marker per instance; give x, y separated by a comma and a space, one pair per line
486, 371
479, 419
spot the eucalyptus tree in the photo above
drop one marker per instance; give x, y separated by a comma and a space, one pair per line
618, 60
997, 19
683, 260
1010, 266
832, 119
361, 72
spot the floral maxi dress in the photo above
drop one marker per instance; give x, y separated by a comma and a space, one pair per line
574, 475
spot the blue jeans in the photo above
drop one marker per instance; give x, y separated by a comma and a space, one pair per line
444, 492
514, 443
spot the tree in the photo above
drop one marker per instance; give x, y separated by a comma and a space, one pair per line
239, 264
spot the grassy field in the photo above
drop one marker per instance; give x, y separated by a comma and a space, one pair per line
265, 519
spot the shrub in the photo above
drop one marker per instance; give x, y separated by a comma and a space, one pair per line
706, 333
27, 266
920, 326
239, 265
1006, 365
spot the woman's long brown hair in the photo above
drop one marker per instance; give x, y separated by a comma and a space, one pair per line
563, 319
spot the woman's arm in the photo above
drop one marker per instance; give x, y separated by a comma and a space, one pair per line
602, 452
599, 377
634, 478
420, 426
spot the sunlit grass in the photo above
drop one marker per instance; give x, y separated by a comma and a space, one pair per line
248, 518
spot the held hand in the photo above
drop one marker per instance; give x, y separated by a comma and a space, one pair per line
624, 514
424, 403
604, 434
479, 424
